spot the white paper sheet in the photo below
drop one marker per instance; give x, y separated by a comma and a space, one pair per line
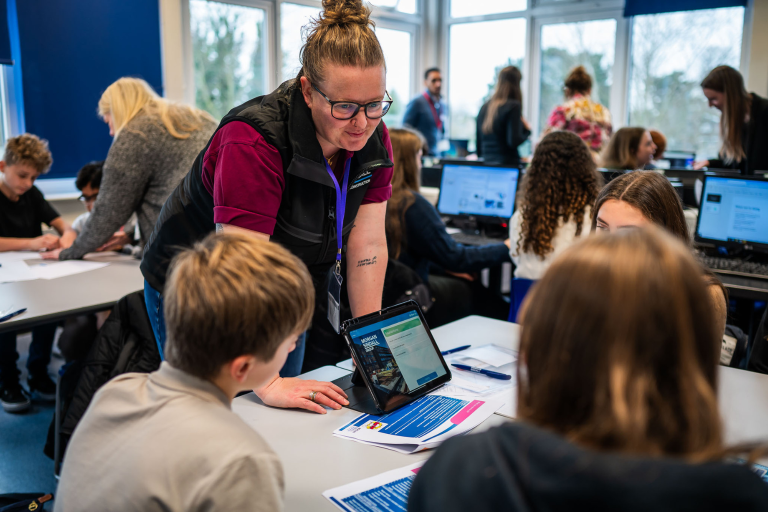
15, 271
420, 425
492, 355
7, 257
387, 491
55, 269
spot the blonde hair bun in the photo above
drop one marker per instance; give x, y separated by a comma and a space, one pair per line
344, 12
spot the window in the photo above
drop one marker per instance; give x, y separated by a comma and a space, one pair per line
397, 52
473, 67
292, 18
229, 53
406, 6
671, 54
461, 8
567, 45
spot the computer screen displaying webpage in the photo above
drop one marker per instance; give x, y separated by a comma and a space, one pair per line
477, 190
734, 210
398, 354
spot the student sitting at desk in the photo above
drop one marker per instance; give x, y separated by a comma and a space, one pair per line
646, 197
417, 237
617, 396
169, 440
629, 148
558, 190
22, 211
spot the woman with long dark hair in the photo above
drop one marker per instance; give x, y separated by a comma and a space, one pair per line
501, 127
416, 237
646, 197
743, 122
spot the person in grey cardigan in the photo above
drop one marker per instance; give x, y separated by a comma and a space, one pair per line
155, 143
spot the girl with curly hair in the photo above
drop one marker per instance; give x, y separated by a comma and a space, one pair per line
555, 201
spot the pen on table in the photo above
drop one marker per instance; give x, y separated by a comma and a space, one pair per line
457, 349
488, 373
13, 314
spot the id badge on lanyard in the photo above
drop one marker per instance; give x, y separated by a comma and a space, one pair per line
334, 283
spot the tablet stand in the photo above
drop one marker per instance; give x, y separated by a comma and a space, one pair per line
360, 398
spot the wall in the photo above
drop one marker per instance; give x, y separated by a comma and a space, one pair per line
71, 51
757, 48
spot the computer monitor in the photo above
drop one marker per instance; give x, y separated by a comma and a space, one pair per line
734, 212
680, 159
476, 190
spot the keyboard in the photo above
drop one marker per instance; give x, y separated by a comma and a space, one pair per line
473, 239
735, 265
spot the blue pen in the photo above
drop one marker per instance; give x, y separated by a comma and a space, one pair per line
488, 373
457, 349
11, 315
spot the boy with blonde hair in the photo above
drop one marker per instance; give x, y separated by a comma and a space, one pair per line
23, 210
234, 307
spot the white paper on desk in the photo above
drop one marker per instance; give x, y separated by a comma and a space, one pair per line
7, 257
491, 357
15, 271
507, 396
387, 491
55, 269
420, 425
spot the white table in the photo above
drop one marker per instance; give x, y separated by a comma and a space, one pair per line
315, 461
53, 300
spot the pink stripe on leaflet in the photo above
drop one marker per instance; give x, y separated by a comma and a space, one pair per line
466, 412
416, 471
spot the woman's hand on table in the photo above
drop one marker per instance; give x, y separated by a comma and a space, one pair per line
295, 393
116, 241
51, 255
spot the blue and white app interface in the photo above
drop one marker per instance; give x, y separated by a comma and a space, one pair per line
734, 210
476, 190
397, 354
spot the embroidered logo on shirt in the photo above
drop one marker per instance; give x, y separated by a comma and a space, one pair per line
361, 183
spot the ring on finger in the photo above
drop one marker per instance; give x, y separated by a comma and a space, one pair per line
312, 395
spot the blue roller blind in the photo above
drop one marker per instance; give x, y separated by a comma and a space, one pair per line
638, 7
71, 51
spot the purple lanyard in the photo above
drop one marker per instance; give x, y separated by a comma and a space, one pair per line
341, 206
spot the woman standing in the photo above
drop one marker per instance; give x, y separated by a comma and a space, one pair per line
155, 142
307, 166
501, 127
579, 114
630, 148
743, 122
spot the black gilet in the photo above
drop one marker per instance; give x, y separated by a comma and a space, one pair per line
306, 218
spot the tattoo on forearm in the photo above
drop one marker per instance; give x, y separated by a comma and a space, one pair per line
366, 262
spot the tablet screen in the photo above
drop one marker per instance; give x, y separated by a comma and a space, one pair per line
398, 355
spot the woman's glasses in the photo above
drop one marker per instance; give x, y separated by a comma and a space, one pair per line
344, 110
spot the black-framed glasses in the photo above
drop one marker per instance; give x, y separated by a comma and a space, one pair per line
344, 110
87, 199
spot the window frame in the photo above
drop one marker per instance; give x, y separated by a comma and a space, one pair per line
384, 17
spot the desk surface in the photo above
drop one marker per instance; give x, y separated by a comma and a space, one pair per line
315, 461
55, 299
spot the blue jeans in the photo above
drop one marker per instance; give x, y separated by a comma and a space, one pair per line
154, 301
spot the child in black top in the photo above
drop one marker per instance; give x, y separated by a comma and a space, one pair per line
22, 211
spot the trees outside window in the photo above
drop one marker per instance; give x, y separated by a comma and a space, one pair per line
671, 54
228, 54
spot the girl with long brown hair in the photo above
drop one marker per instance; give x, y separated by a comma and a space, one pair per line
416, 237
554, 209
629, 148
646, 197
743, 122
501, 127
616, 396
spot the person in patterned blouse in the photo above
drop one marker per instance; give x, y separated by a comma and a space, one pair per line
579, 114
